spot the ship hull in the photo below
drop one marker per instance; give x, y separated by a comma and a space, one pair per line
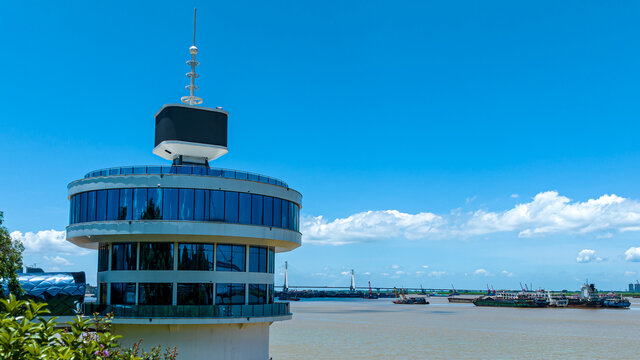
509, 303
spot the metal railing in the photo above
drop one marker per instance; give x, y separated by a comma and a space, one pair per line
186, 170
187, 311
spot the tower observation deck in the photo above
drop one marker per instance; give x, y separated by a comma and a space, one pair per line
186, 252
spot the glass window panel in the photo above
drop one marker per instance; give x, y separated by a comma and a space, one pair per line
272, 259
271, 292
170, 204
195, 257
244, 210
126, 200
123, 293
215, 172
115, 171
139, 169
229, 174
241, 175
184, 169
195, 294
102, 293
257, 294
186, 200
257, 259
285, 214
156, 256
123, 256
267, 215
216, 205
296, 217
101, 205
103, 257
113, 204
83, 207
231, 206
238, 294
277, 212
230, 257
154, 170
139, 203
153, 208
256, 209
252, 177
264, 179
201, 207
91, 206
291, 216
230, 294
155, 294
126, 171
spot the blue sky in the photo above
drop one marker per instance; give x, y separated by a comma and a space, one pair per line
465, 143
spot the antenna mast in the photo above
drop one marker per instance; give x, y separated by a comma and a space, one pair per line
193, 50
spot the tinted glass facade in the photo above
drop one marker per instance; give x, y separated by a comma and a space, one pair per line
123, 256
258, 259
183, 204
257, 294
156, 256
230, 294
230, 257
195, 294
123, 293
195, 257
155, 294
103, 257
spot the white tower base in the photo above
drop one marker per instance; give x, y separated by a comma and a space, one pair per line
246, 341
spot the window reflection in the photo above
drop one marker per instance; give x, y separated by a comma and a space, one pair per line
195, 294
230, 294
257, 259
155, 294
123, 293
123, 256
195, 257
102, 293
230, 257
103, 257
183, 204
156, 256
257, 294
272, 259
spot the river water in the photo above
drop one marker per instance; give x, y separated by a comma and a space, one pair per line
379, 329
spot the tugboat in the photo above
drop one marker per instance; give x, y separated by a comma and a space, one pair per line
405, 300
616, 302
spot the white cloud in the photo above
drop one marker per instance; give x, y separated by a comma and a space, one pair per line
630, 273
437, 274
47, 242
547, 213
507, 273
605, 236
632, 254
481, 272
419, 272
425, 266
369, 226
57, 260
384, 274
395, 267
400, 272
345, 273
587, 256
515, 196
367, 273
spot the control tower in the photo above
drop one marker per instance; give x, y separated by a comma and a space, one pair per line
186, 251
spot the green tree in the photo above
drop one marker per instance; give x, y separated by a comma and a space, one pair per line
26, 335
10, 259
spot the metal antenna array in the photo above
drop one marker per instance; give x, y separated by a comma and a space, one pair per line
193, 50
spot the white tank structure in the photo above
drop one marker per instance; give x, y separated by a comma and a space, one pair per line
186, 252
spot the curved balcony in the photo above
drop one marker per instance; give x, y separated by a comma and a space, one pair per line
188, 311
187, 170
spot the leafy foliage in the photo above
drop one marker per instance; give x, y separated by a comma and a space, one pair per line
10, 259
26, 335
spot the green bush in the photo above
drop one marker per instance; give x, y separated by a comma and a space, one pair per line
26, 335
